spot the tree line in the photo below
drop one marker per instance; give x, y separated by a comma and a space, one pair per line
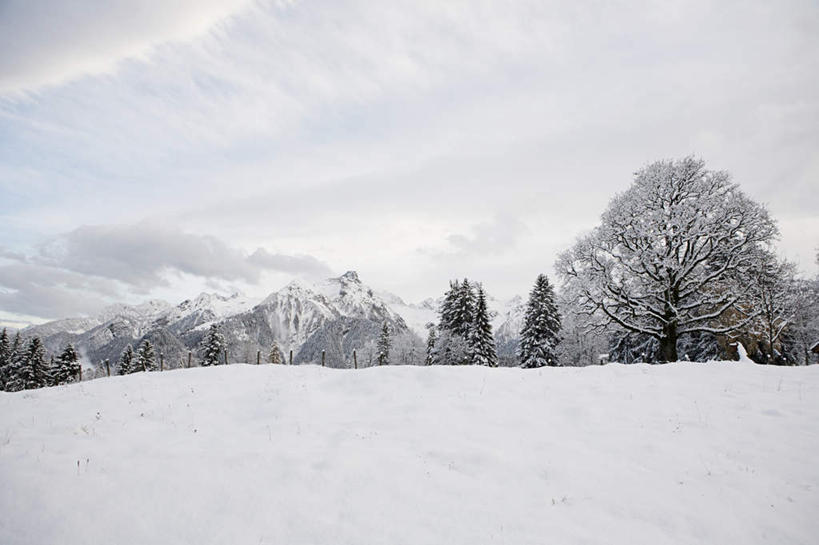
26, 366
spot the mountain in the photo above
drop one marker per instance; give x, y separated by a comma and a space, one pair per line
507, 321
336, 316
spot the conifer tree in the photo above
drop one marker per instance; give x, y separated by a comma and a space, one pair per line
541, 327
432, 337
145, 357
5, 358
447, 321
481, 341
126, 361
213, 345
15, 358
384, 344
32, 369
464, 311
67, 368
275, 355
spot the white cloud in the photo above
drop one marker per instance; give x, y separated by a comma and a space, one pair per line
46, 44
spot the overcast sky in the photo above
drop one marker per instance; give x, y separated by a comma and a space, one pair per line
158, 149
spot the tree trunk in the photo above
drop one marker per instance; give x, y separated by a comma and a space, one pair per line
668, 345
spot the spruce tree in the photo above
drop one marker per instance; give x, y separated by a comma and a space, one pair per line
481, 341
384, 344
126, 361
447, 321
432, 338
275, 355
5, 358
541, 327
464, 311
32, 370
213, 345
145, 357
67, 368
13, 381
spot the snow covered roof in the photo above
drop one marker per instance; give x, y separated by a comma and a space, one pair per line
815, 347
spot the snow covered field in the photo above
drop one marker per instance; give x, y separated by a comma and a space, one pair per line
682, 453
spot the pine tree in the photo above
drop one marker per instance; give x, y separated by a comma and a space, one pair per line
384, 344
15, 358
126, 361
5, 358
464, 312
145, 357
67, 368
432, 337
213, 345
447, 321
541, 327
275, 355
32, 371
481, 341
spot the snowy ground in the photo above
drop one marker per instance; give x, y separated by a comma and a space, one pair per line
683, 453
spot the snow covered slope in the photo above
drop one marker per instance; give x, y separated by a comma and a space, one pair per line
682, 453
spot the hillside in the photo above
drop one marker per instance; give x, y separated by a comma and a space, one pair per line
681, 453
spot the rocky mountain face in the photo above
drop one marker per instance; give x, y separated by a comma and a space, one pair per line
337, 316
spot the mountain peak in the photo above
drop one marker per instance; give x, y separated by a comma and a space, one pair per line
351, 276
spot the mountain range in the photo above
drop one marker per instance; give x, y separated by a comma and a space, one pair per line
337, 316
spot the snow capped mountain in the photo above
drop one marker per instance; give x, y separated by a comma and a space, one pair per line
293, 313
64, 326
337, 316
353, 299
416, 316
206, 309
507, 317
143, 313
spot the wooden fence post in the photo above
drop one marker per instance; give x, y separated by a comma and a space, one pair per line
291, 357
258, 357
108, 368
189, 359
79, 374
161, 361
226, 358
355, 361
322, 358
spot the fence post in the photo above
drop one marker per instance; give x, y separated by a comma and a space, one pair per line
79, 374
355, 361
291, 357
189, 359
108, 368
322, 358
258, 357
161, 361
226, 358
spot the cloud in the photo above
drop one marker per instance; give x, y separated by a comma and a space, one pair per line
42, 291
142, 254
79, 271
301, 265
52, 43
495, 237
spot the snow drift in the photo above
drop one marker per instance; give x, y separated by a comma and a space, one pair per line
682, 453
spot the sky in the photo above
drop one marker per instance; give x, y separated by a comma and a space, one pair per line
160, 149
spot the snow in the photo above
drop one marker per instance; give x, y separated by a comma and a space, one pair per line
415, 316
681, 453
507, 316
